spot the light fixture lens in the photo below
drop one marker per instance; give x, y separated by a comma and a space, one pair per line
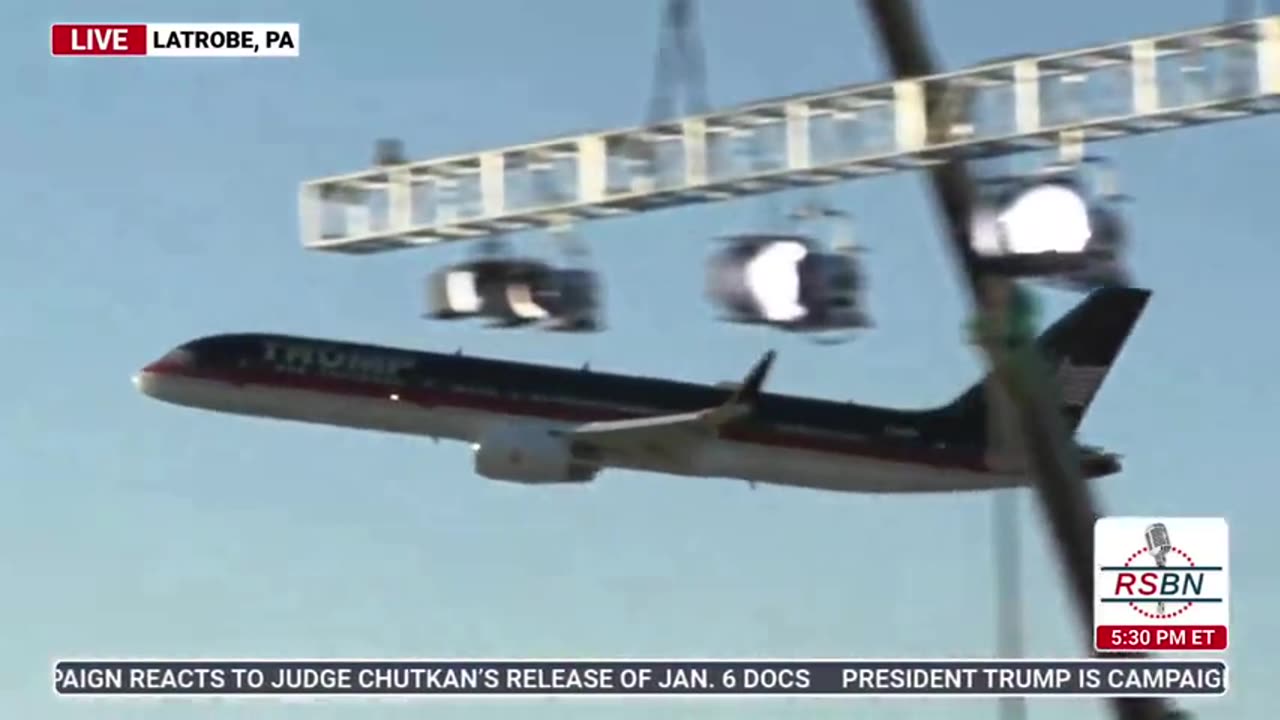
1045, 218
521, 301
774, 278
460, 291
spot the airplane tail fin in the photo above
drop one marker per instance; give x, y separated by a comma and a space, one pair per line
1081, 347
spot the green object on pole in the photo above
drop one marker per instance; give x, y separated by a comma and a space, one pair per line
1023, 316
1011, 320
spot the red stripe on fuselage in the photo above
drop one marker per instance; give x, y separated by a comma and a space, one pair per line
571, 412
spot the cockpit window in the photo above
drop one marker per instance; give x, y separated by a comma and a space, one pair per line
217, 352
180, 357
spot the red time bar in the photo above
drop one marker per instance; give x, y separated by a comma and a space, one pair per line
1157, 638
95, 39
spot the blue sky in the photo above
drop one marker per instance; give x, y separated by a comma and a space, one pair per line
149, 202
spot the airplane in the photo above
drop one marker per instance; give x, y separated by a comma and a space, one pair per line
539, 425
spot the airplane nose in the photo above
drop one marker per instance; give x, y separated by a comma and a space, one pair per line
148, 378
144, 381
151, 377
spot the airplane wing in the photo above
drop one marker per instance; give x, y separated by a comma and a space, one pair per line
668, 437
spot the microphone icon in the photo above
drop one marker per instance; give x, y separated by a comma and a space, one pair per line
1159, 546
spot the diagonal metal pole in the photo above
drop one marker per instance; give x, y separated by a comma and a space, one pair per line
1065, 499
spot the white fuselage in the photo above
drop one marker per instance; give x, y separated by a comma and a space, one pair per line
712, 458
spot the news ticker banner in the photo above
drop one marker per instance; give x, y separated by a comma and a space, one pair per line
640, 678
189, 40
1161, 584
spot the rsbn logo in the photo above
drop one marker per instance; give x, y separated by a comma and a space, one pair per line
1174, 579
1160, 584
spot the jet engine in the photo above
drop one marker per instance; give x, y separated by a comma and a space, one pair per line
530, 454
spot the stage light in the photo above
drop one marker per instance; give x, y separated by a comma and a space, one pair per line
1051, 228
1048, 218
786, 281
512, 292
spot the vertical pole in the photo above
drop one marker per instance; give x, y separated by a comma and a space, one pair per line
1008, 563
1006, 454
